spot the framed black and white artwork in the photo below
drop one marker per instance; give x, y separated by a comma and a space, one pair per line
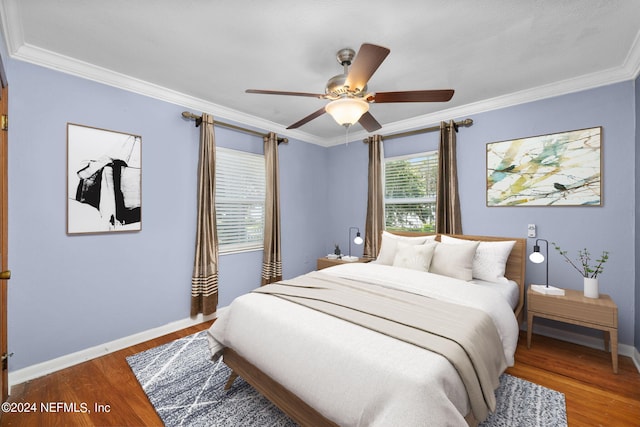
104, 180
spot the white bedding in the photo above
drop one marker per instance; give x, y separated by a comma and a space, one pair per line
508, 290
354, 376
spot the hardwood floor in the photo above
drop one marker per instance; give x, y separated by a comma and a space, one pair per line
595, 396
107, 380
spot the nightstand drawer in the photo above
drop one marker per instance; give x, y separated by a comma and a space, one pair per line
576, 307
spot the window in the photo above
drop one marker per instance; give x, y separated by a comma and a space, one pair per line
410, 192
240, 197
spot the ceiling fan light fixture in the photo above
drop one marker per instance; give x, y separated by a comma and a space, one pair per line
347, 111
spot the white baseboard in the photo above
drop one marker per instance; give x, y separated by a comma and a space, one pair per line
636, 358
587, 341
40, 369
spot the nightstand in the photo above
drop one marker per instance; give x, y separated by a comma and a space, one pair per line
597, 313
325, 262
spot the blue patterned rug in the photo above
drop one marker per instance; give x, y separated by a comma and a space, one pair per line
187, 389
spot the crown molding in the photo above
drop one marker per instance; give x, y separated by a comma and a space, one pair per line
20, 50
13, 34
632, 61
68, 65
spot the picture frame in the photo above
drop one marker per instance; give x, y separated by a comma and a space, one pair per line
104, 180
560, 169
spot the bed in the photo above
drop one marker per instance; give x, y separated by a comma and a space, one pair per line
325, 369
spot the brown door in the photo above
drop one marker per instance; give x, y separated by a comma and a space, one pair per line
4, 235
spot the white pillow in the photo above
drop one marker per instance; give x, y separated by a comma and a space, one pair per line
389, 242
454, 260
415, 257
490, 260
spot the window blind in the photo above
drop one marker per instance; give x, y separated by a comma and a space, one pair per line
240, 198
410, 191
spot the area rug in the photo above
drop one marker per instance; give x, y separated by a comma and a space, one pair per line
187, 389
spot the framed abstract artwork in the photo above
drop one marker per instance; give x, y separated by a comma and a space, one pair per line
561, 169
104, 180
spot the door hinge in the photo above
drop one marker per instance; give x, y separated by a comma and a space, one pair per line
4, 122
5, 360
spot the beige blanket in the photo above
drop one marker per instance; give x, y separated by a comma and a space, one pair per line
465, 336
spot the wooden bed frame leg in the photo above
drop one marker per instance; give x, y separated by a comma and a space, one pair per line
230, 381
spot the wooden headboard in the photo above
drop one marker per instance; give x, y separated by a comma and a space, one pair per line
516, 263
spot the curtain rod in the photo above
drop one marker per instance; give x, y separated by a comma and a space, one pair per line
465, 123
198, 119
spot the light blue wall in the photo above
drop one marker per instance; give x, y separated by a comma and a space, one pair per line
610, 227
347, 178
303, 201
69, 293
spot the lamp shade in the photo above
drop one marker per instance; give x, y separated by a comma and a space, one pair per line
347, 111
536, 258
358, 240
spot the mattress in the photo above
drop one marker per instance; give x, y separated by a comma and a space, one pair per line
508, 290
352, 375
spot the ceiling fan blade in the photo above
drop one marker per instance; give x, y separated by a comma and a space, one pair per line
443, 95
368, 122
366, 62
279, 92
307, 119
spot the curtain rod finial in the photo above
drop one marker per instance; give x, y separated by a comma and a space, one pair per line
190, 116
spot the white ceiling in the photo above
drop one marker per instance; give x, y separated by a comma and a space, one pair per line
203, 54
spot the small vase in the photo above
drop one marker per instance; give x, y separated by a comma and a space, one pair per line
591, 287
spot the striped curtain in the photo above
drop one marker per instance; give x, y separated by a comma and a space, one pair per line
375, 200
448, 218
204, 281
272, 260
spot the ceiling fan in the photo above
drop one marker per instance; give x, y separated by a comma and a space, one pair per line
348, 91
